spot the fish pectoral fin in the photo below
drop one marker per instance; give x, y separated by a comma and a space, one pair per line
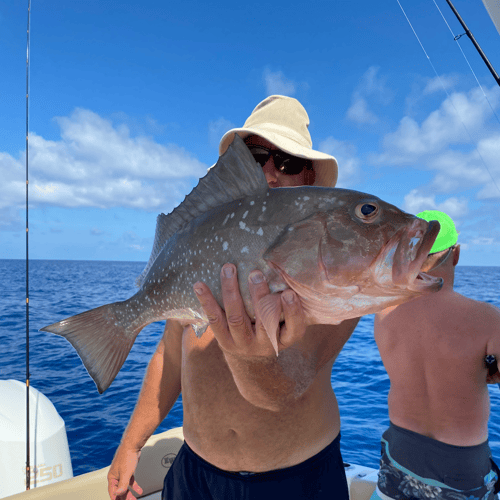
269, 311
200, 328
100, 340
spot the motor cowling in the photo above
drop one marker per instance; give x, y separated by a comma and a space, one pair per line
49, 451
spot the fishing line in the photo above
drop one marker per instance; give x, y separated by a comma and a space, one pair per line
456, 38
28, 470
449, 97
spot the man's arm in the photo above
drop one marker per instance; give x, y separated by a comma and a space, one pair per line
160, 389
263, 379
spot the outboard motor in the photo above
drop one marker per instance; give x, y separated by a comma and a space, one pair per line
49, 450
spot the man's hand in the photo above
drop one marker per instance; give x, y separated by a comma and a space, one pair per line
234, 330
121, 475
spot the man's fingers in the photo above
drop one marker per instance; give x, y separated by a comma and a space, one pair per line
112, 486
237, 318
135, 486
122, 488
214, 312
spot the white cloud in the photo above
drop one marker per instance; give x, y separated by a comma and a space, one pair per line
416, 201
98, 164
374, 87
277, 83
483, 241
458, 116
459, 141
440, 83
217, 128
10, 220
348, 162
358, 111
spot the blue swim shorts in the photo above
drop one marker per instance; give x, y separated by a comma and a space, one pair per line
414, 467
321, 477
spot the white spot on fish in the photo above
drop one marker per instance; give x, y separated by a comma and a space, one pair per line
242, 225
252, 202
260, 232
263, 209
245, 250
225, 220
306, 198
245, 214
232, 215
225, 246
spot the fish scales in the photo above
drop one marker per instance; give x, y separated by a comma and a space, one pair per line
197, 252
343, 252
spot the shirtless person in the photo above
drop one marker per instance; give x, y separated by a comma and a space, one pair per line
433, 349
254, 425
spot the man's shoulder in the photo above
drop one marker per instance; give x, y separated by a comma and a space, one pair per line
491, 311
479, 306
480, 316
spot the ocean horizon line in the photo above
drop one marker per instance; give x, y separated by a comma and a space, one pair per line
145, 262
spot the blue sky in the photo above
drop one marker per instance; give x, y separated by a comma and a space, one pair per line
128, 101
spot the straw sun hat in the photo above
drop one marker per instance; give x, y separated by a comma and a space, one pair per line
283, 121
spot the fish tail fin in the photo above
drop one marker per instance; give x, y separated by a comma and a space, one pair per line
100, 339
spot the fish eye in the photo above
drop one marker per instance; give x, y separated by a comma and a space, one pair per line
367, 211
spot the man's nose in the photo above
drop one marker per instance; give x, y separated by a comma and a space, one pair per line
270, 171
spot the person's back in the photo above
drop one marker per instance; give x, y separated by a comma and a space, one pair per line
434, 350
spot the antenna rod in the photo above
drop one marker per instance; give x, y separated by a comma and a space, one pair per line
28, 469
473, 40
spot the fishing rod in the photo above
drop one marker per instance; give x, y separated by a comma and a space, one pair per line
490, 360
473, 40
28, 468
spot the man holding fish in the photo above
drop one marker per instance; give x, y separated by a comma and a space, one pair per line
434, 351
260, 416
285, 439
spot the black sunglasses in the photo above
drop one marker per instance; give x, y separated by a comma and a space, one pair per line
284, 163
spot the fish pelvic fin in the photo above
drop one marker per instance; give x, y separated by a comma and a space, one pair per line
100, 340
235, 175
270, 310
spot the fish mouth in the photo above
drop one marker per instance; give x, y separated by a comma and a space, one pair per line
410, 254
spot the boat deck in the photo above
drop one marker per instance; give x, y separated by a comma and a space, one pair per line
156, 458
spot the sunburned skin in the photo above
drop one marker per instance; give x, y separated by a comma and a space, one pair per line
220, 424
433, 349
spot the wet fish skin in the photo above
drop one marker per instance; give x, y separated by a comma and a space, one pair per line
314, 240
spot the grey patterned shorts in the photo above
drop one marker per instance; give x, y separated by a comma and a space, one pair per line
414, 467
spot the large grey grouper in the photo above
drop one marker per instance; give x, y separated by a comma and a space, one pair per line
344, 253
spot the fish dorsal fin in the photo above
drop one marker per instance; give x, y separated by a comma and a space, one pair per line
235, 175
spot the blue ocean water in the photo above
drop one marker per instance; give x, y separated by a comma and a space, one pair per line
95, 423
